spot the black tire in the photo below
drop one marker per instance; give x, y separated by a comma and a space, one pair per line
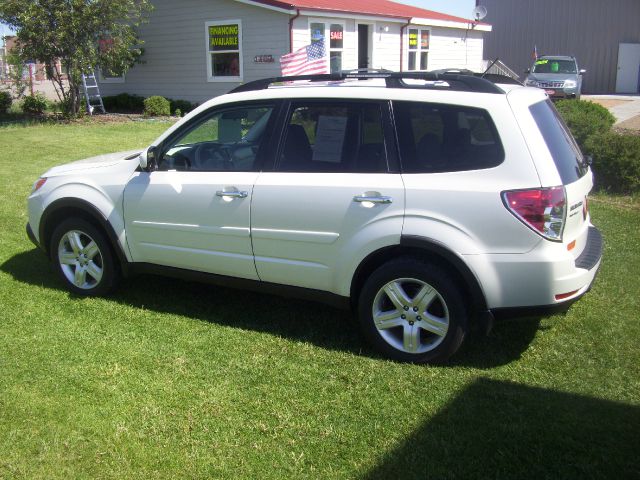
412, 337
94, 266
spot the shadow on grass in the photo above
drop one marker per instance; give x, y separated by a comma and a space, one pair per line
496, 429
299, 320
23, 120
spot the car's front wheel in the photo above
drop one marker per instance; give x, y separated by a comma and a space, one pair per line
413, 311
83, 258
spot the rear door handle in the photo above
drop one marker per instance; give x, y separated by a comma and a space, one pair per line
372, 199
220, 193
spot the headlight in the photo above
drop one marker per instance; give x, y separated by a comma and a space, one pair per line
39, 183
531, 83
570, 84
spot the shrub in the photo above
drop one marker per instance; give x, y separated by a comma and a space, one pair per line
183, 105
178, 112
585, 119
5, 101
616, 161
35, 104
157, 106
124, 103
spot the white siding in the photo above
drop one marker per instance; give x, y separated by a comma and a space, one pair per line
386, 46
453, 48
175, 62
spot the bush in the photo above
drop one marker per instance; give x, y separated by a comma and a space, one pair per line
128, 103
585, 119
616, 161
124, 103
5, 101
157, 106
35, 104
182, 105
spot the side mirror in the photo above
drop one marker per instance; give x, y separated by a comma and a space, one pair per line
588, 160
147, 159
527, 70
582, 71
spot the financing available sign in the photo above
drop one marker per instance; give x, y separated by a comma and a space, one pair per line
223, 37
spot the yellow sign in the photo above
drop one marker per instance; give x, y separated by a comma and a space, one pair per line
223, 37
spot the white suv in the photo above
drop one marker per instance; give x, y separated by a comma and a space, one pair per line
426, 202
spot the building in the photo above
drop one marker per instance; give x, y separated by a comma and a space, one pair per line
197, 49
603, 36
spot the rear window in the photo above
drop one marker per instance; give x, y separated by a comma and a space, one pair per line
563, 148
445, 138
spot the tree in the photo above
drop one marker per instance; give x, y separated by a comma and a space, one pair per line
16, 74
72, 37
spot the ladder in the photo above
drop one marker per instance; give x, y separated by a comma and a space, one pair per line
92, 93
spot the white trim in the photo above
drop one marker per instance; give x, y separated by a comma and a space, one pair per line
350, 16
268, 7
450, 24
210, 77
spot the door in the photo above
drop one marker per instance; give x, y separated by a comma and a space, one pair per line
193, 212
331, 195
628, 77
364, 53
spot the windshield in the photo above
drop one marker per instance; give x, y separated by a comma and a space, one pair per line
546, 65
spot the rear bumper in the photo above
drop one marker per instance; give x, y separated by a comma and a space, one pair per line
32, 237
545, 281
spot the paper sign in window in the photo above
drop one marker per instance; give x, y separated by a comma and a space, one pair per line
329, 139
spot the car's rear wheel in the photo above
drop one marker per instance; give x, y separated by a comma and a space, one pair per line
83, 258
413, 311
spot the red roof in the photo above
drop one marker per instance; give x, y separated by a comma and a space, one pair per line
382, 8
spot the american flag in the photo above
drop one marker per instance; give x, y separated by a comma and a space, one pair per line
305, 61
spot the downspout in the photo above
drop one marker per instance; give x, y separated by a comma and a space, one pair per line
402, 42
291, 29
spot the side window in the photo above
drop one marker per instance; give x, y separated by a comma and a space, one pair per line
445, 138
225, 140
334, 137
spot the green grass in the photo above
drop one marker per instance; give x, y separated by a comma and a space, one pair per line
168, 379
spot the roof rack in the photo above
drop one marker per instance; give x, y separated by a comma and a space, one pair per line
458, 81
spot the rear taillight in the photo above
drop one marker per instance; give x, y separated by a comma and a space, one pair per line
541, 209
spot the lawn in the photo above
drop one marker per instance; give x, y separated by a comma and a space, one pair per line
169, 379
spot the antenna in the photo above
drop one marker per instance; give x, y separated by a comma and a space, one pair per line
479, 12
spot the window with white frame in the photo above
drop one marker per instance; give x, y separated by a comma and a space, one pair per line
336, 46
418, 45
224, 50
332, 33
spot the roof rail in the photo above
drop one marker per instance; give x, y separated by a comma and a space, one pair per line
459, 81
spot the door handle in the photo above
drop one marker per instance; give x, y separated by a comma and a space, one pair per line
220, 193
372, 199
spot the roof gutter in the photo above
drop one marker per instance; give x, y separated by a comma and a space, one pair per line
402, 43
291, 29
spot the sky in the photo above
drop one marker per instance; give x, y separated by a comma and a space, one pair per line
460, 8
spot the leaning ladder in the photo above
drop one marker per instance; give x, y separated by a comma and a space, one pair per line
92, 93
